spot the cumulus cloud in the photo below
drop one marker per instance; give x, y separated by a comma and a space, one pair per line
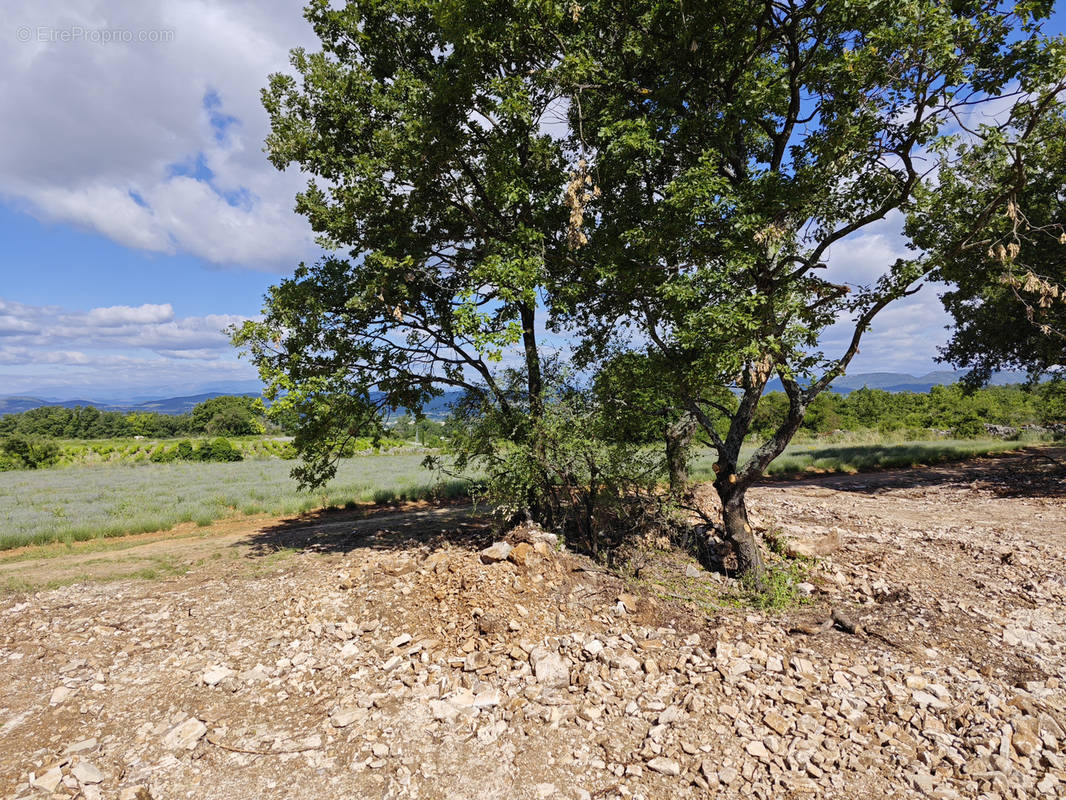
121, 315
109, 102
143, 345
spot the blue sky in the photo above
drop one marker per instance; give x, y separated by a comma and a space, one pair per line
139, 215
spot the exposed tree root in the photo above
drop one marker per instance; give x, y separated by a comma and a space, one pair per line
841, 621
256, 752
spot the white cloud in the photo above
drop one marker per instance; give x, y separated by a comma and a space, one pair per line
92, 131
905, 336
143, 345
44, 330
121, 315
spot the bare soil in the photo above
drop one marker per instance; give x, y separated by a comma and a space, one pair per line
357, 654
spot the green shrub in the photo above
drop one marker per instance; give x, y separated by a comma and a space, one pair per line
24, 452
220, 449
164, 454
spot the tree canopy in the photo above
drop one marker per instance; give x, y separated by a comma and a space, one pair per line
422, 126
661, 181
1008, 274
734, 144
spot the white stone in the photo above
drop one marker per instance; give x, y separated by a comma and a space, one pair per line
47, 780
497, 552
343, 717
665, 766
86, 773
550, 668
216, 675
185, 735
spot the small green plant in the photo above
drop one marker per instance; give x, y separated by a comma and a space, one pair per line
779, 588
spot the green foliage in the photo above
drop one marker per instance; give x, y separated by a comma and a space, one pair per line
594, 488
420, 127
958, 409
850, 456
22, 452
1053, 402
712, 156
228, 415
779, 587
425, 432
731, 147
219, 449
995, 225
57, 422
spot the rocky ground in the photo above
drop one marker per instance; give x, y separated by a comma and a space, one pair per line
393, 658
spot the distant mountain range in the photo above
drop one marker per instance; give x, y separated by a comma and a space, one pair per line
438, 407
165, 405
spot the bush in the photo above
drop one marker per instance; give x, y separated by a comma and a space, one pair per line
164, 454
22, 452
566, 475
220, 449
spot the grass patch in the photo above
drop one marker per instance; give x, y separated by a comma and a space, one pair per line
858, 457
780, 586
107, 500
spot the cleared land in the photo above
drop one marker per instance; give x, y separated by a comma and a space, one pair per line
346, 656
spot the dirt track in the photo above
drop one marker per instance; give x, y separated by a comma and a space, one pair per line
379, 657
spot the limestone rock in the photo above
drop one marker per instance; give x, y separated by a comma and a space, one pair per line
86, 773
216, 675
345, 716
665, 766
813, 546
496, 552
521, 554
185, 735
550, 668
48, 780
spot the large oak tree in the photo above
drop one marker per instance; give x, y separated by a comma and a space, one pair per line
734, 144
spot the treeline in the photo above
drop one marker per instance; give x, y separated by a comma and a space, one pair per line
226, 415
950, 409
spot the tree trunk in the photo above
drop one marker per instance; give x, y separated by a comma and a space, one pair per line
536, 510
739, 534
678, 440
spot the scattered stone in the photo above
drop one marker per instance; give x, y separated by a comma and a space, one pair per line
185, 735
216, 675
1025, 742
664, 766
48, 780
343, 717
487, 698
497, 552
549, 667
87, 773
521, 554
757, 749
776, 722
813, 546
60, 695
84, 746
